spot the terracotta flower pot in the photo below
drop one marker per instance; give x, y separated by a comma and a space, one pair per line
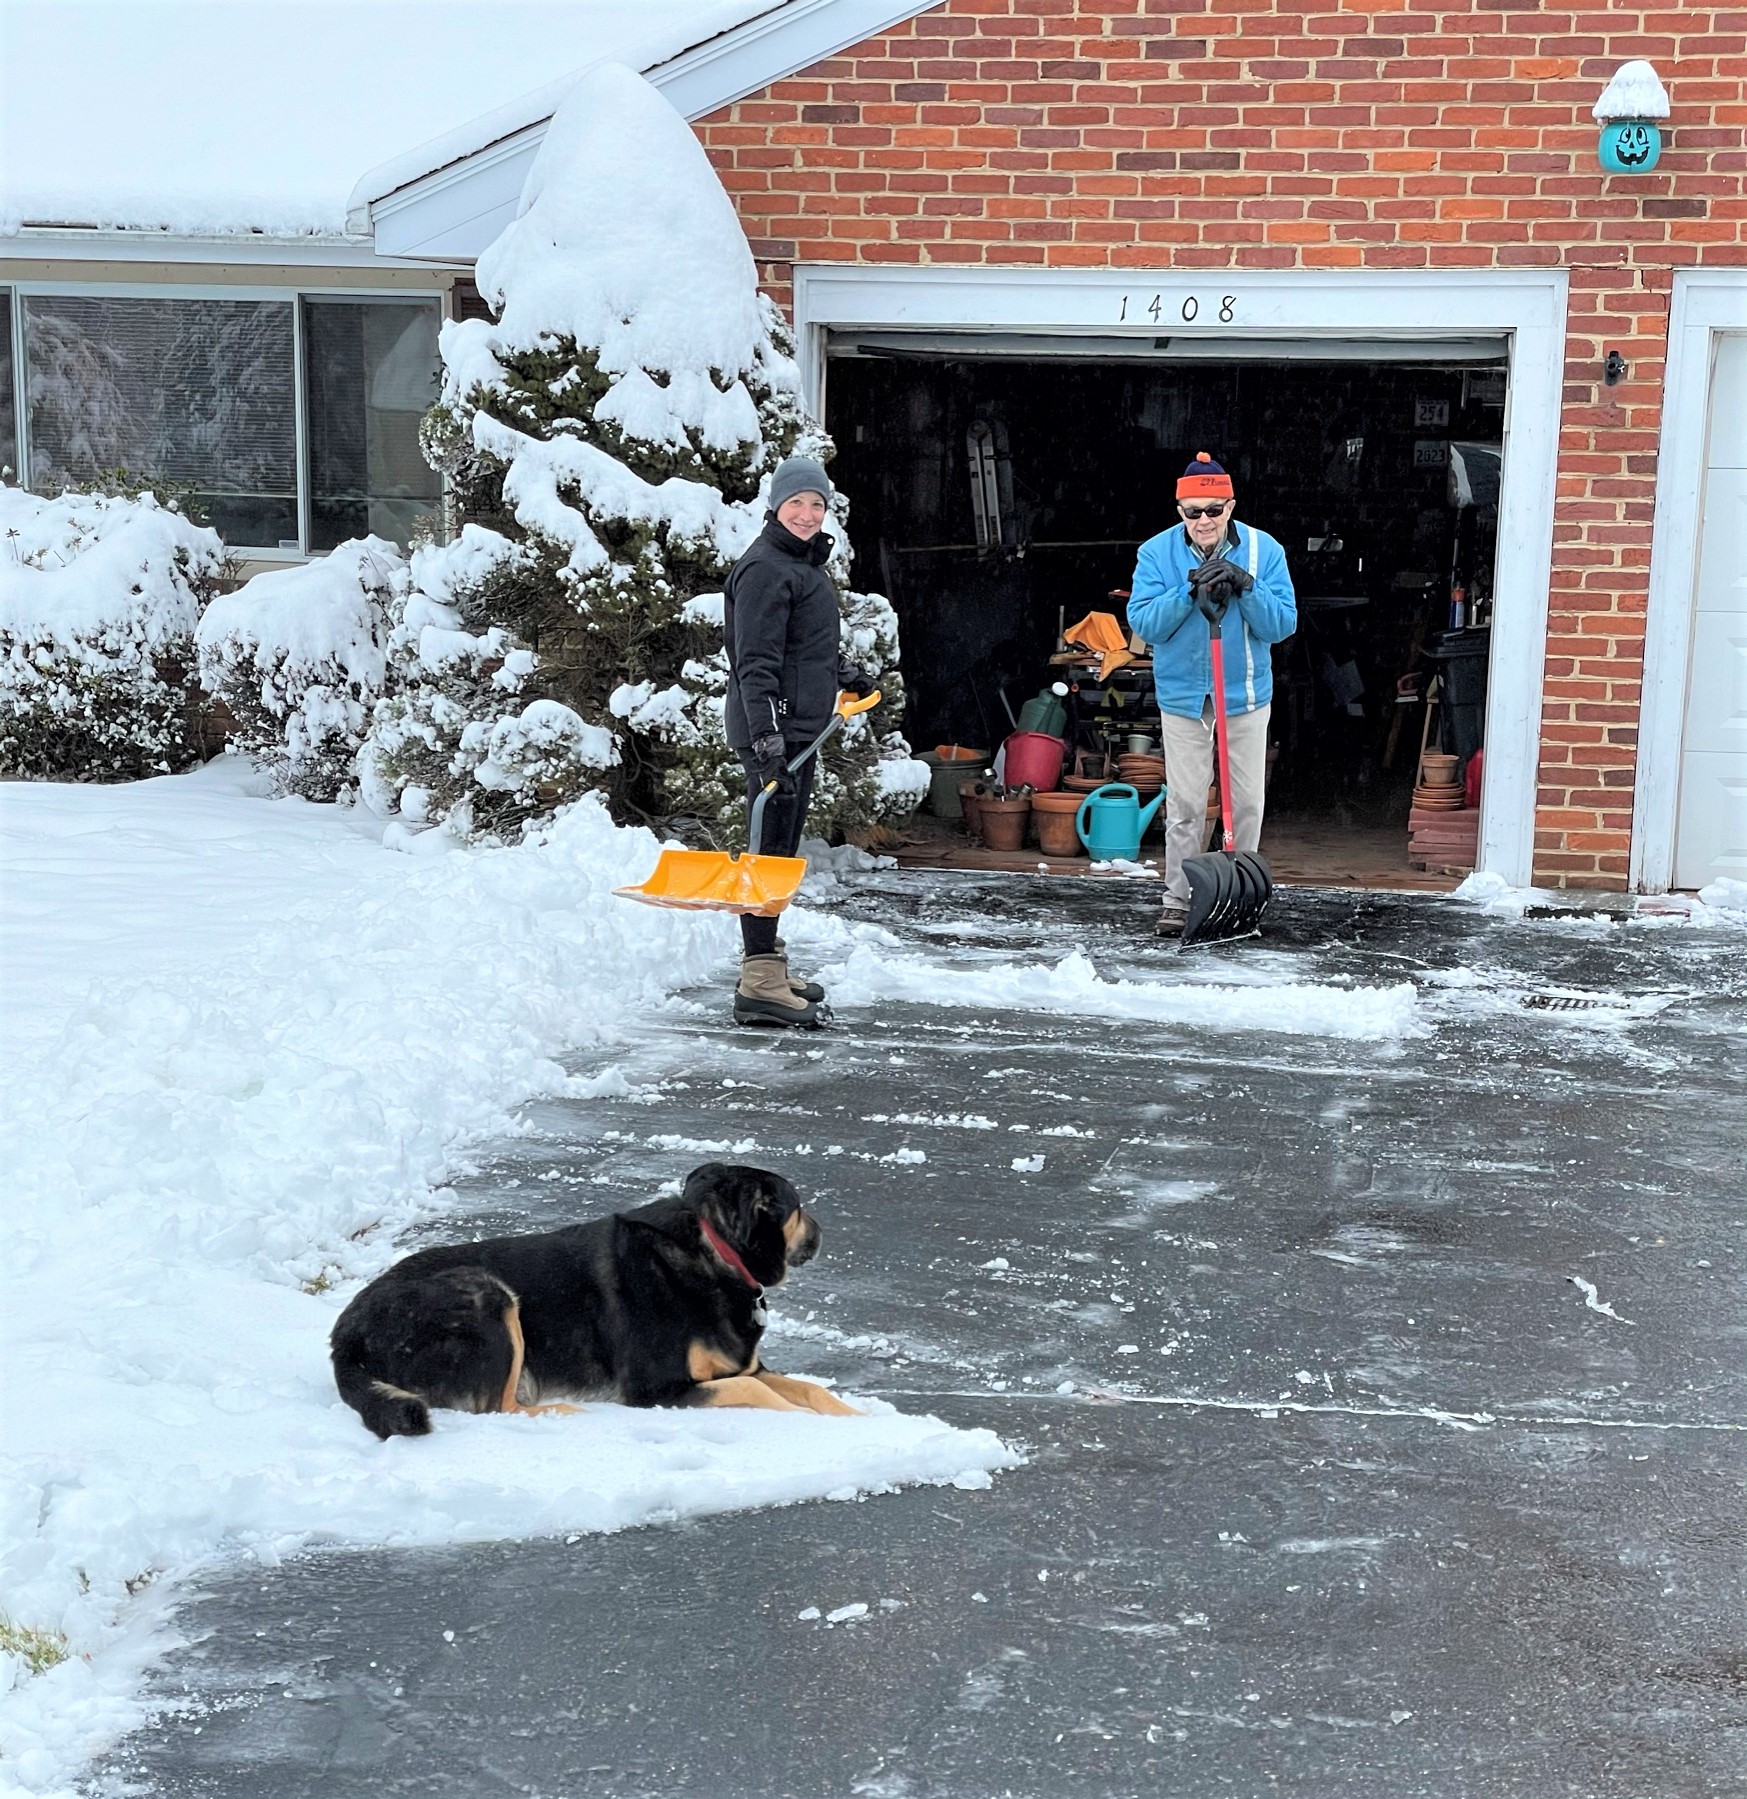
1004, 822
1052, 818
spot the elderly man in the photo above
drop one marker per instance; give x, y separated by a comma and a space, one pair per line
1185, 583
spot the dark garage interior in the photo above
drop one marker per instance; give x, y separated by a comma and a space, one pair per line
1379, 478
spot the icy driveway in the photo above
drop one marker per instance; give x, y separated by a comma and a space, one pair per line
1340, 1481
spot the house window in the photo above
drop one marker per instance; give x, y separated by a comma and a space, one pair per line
197, 396
370, 371
288, 422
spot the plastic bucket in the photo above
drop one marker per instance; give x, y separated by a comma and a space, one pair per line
1034, 760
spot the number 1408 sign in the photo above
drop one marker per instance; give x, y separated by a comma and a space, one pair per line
1160, 307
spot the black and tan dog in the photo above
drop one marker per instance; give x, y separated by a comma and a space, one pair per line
663, 1305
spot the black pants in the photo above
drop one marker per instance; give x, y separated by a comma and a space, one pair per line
784, 815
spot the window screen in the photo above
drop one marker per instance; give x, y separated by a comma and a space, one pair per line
8, 392
197, 394
371, 373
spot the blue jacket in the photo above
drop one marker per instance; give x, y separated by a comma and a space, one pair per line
1160, 609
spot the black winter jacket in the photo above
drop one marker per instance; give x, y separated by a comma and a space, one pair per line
781, 623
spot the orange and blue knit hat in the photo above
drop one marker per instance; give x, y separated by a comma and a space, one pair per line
1204, 479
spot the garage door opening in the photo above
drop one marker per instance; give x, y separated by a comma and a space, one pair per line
1000, 497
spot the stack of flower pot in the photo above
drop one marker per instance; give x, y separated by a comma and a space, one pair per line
1443, 835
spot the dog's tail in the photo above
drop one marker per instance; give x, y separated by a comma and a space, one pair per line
388, 1410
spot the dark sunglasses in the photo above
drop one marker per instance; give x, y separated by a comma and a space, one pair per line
1212, 510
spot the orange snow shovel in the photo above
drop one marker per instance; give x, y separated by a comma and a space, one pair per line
717, 880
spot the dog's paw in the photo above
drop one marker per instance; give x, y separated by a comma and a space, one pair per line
824, 1401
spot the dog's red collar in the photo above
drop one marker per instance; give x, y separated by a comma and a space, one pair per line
725, 1250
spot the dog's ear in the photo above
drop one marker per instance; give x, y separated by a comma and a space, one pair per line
746, 1203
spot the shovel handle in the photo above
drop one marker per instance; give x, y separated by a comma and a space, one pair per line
847, 707
1220, 743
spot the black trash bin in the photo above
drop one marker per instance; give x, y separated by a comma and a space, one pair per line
1461, 658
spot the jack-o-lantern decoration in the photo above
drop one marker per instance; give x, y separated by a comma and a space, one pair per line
1629, 147
1629, 105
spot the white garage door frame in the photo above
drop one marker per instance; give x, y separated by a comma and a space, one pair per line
1527, 307
1705, 303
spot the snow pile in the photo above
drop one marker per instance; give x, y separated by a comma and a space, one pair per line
99, 599
873, 975
1636, 92
243, 1046
1722, 902
629, 421
296, 655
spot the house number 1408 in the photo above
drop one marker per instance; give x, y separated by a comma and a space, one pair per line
1189, 311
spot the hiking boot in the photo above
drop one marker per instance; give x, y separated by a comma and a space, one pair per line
806, 989
767, 996
1172, 917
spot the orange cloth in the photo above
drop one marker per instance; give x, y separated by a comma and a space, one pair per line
1100, 633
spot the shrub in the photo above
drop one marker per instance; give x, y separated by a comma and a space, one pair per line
297, 656
99, 598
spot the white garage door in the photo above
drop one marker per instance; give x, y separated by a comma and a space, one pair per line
1711, 836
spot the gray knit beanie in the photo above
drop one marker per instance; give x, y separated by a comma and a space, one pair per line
799, 474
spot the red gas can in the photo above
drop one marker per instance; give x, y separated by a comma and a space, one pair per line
1034, 760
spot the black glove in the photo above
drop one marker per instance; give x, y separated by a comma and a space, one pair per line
1210, 590
1236, 580
770, 762
853, 679
1210, 602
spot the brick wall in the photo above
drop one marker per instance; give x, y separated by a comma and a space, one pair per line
1291, 134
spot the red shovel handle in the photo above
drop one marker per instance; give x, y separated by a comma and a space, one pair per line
1219, 739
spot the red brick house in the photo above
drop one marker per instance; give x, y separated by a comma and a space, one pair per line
1350, 247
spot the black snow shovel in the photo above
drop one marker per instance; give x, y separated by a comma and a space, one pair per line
1229, 888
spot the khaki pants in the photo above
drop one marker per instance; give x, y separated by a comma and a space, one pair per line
1189, 764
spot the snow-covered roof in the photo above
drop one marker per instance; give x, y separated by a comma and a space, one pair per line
447, 199
1636, 92
230, 116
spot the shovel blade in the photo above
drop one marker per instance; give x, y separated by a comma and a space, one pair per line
714, 881
1228, 893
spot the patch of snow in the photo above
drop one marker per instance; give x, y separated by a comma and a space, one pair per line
620, 179
1593, 1300
1636, 92
872, 975
246, 1046
1027, 1164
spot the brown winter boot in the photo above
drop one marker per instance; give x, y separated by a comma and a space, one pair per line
766, 996
806, 989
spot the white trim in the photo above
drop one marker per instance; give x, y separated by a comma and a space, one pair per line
1528, 306
1704, 303
451, 212
101, 243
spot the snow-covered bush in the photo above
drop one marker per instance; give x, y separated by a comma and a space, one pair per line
623, 422
297, 657
456, 739
99, 599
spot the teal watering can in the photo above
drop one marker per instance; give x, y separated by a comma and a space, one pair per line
1117, 819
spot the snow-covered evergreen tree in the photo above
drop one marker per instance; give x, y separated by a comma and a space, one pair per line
620, 417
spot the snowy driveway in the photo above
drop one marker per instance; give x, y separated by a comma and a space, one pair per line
1381, 1381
